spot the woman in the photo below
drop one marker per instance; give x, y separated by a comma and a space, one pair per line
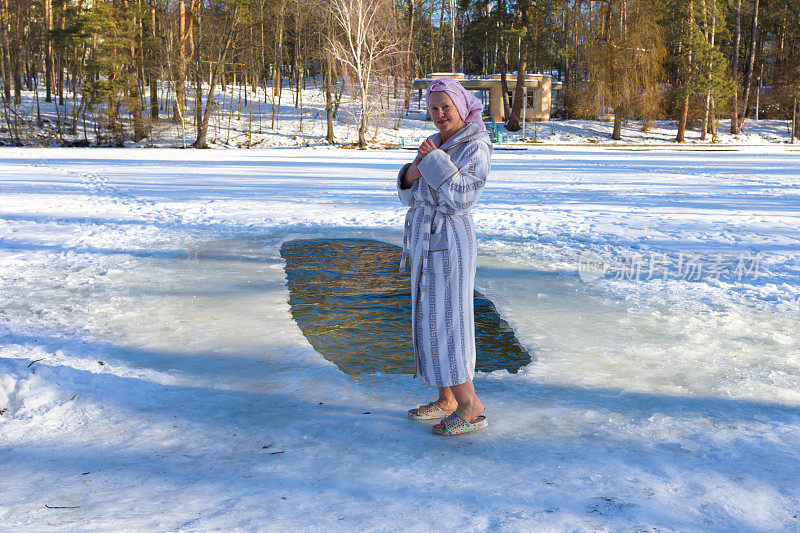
440, 186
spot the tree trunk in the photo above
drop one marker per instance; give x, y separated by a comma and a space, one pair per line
503, 61
36, 103
680, 137
298, 68
113, 123
48, 50
748, 76
504, 80
712, 122
362, 127
706, 112
710, 37
178, 104
277, 77
3, 68
198, 92
6, 59
76, 108
409, 58
62, 61
17, 56
452, 5
134, 96
737, 38
202, 127
153, 77
328, 97
329, 102
617, 133
440, 40
185, 36
513, 123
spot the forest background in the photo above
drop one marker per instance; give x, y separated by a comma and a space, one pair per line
114, 70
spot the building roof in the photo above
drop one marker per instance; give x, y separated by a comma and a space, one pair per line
532, 81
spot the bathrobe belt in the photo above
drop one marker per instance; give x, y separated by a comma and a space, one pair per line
421, 251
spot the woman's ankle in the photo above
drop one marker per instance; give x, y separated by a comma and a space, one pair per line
472, 407
446, 405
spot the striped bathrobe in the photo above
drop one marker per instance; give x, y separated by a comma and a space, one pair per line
439, 238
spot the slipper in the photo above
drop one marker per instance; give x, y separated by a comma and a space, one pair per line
429, 411
455, 425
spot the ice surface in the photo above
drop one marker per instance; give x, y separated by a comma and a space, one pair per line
173, 391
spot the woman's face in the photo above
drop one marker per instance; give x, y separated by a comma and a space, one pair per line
443, 113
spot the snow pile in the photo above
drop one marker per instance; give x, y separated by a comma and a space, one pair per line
29, 392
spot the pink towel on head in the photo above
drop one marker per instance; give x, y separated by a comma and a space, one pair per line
469, 107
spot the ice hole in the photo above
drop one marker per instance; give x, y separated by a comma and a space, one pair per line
354, 307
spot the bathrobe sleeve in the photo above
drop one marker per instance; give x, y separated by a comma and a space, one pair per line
456, 186
406, 195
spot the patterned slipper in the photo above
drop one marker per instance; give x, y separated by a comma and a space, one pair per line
455, 425
429, 411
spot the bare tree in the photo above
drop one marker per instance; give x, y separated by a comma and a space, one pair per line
329, 80
365, 41
223, 46
185, 26
409, 62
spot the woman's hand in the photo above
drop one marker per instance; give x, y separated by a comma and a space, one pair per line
424, 149
413, 173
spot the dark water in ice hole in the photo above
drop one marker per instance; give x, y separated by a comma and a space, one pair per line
354, 307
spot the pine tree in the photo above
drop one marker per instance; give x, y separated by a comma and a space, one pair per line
702, 70
112, 80
748, 76
71, 39
787, 65
713, 80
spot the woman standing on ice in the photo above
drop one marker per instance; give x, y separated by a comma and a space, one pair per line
440, 186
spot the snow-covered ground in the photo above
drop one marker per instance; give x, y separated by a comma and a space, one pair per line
152, 378
248, 121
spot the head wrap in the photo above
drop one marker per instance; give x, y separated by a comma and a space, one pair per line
468, 106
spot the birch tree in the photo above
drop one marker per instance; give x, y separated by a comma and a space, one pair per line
365, 40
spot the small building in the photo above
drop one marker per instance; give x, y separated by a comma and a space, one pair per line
539, 88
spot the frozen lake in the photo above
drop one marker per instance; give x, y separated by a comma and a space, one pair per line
172, 389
